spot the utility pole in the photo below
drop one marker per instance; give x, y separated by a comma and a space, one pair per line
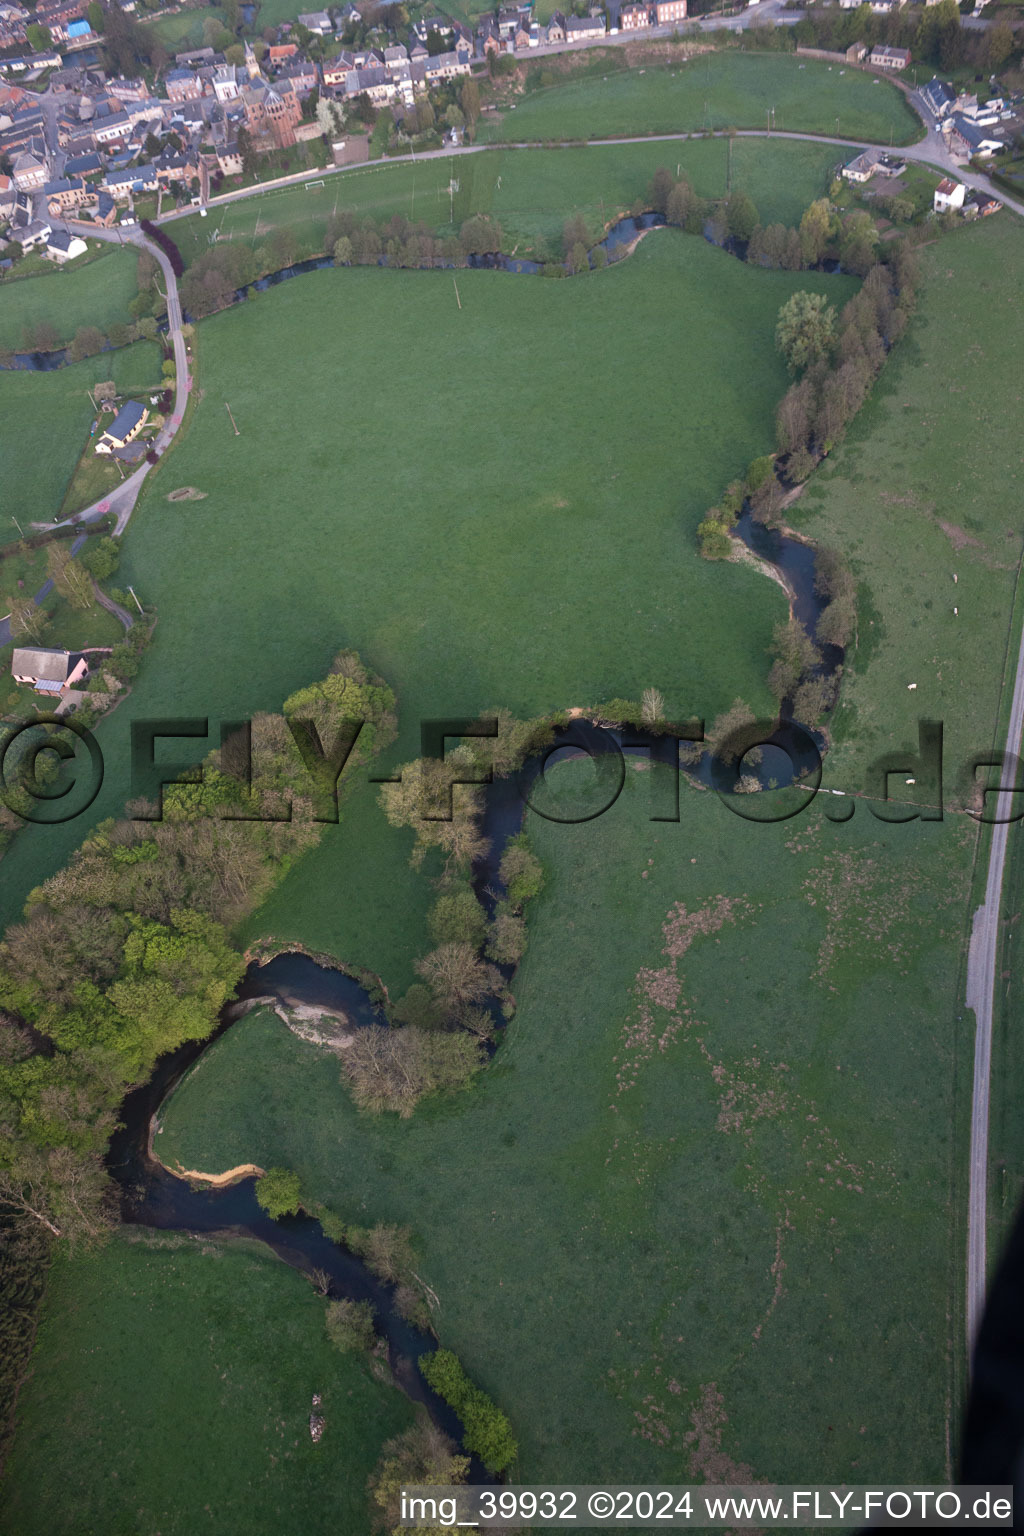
17, 525
456, 287
137, 603
233, 422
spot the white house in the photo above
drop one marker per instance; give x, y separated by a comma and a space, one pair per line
62, 247
949, 195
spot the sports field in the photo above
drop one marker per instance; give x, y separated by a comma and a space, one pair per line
524, 537
161, 1416
96, 294
531, 195
713, 90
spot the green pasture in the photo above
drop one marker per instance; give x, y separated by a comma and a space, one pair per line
150, 1409
97, 293
713, 90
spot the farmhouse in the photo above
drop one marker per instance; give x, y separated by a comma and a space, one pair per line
126, 425
949, 194
48, 671
966, 138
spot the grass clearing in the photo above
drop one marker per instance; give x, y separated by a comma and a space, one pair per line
147, 1392
97, 293
713, 90
719, 1124
46, 419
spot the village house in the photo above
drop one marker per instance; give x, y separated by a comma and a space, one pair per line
937, 97
62, 195
47, 671
183, 85
31, 235
302, 75
669, 11
579, 28
132, 179
948, 195
317, 22
280, 53
633, 16
446, 66
29, 171
126, 425
62, 247
884, 57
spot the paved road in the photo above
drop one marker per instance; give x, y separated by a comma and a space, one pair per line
930, 151
983, 957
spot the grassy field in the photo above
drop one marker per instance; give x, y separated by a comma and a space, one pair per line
185, 30
925, 487
95, 294
714, 90
722, 1123
530, 194
530, 542
148, 1396
46, 418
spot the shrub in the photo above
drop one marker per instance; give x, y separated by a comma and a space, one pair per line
278, 1192
350, 1325
419, 1008
457, 917
520, 872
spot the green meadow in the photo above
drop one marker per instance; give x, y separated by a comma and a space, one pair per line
712, 90
927, 487
531, 195
97, 293
46, 419
155, 1412
510, 521
725, 1109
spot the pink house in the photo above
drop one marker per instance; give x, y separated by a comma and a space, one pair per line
52, 672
